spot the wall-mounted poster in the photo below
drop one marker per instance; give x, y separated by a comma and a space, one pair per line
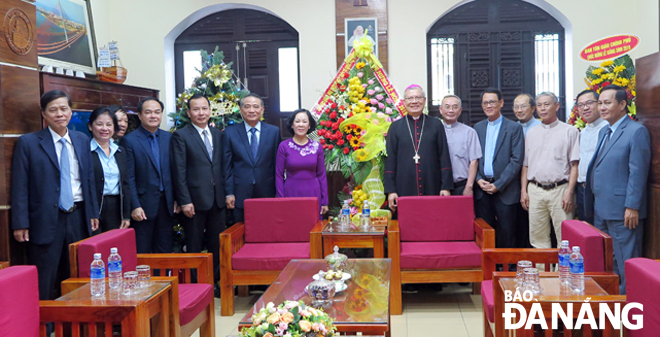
65, 35
355, 28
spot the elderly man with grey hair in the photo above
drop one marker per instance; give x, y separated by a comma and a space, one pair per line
464, 147
549, 172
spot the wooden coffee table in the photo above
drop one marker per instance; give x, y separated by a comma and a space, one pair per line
597, 286
148, 313
362, 307
326, 235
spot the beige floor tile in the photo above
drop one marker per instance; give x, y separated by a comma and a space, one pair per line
399, 326
444, 317
437, 329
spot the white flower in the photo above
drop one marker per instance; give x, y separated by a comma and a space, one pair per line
270, 305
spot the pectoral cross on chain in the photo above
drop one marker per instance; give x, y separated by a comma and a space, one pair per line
416, 157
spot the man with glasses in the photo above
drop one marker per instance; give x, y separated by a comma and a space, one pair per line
463, 143
498, 177
615, 193
524, 107
418, 161
587, 103
549, 172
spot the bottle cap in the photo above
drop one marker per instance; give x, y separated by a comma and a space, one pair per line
97, 256
113, 250
564, 242
576, 248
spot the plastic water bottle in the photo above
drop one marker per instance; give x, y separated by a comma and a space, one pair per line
345, 214
564, 263
97, 276
366, 215
114, 269
577, 270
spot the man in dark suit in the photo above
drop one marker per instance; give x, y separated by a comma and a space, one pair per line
53, 196
498, 177
250, 151
152, 197
199, 184
615, 191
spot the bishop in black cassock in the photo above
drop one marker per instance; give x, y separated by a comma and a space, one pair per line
418, 161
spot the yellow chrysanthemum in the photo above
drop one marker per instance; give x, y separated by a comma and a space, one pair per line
598, 71
607, 63
619, 69
360, 65
624, 81
597, 81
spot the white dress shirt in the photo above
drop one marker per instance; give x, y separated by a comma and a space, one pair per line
208, 132
588, 142
73, 163
249, 133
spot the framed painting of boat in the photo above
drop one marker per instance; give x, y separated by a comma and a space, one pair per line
65, 35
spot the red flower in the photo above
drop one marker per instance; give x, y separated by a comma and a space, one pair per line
322, 141
350, 114
330, 147
333, 105
338, 134
322, 123
340, 120
606, 84
333, 115
342, 88
349, 136
340, 142
325, 147
346, 75
346, 150
321, 132
335, 126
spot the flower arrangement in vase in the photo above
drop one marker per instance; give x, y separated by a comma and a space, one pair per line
289, 319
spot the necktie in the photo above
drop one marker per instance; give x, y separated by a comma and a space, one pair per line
66, 191
156, 152
254, 143
207, 143
605, 141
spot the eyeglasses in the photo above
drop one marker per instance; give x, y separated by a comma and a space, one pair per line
520, 107
415, 99
582, 105
451, 107
489, 103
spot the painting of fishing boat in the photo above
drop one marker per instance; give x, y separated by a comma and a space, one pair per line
65, 35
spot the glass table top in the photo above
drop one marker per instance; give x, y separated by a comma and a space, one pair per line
115, 297
333, 228
365, 301
552, 291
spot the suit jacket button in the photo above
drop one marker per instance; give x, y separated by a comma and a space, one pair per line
57, 190
55, 205
212, 182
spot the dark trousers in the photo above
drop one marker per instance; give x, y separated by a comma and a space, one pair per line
581, 211
239, 214
110, 217
522, 230
501, 217
459, 187
206, 226
155, 235
627, 243
52, 260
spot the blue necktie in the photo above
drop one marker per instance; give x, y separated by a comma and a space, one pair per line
66, 191
156, 151
207, 143
254, 143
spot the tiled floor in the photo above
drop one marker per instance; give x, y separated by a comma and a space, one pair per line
454, 310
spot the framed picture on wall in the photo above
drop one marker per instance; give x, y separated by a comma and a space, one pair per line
65, 35
355, 28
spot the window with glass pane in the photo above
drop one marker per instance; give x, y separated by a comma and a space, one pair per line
546, 51
192, 64
442, 68
288, 72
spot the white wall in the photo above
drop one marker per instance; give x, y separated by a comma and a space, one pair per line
142, 27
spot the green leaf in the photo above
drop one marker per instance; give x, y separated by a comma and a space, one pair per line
271, 329
362, 171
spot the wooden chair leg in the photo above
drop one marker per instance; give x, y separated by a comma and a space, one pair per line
208, 327
487, 331
226, 297
243, 291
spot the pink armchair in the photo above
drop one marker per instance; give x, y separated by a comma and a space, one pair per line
595, 245
436, 239
276, 231
196, 305
19, 301
642, 284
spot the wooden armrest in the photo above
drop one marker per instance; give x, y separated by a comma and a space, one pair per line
393, 226
484, 234
4, 264
607, 280
316, 240
73, 283
318, 228
491, 257
234, 231
203, 262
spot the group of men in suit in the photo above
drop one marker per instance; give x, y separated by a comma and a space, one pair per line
531, 163
198, 170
